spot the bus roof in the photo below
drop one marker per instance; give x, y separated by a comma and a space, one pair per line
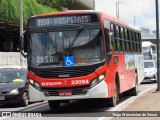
147, 44
66, 12
90, 11
118, 21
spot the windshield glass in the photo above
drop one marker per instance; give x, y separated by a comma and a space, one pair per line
146, 49
67, 48
12, 76
148, 64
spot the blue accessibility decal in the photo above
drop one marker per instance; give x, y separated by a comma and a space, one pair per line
68, 60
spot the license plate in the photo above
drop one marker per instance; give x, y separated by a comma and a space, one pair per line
65, 93
2, 98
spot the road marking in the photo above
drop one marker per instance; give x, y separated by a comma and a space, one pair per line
3, 118
36, 107
126, 103
119, 107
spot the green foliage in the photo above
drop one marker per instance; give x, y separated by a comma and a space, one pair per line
9, 10
58, 4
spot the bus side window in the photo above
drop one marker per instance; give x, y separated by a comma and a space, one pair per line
118, 43
132, 40
127, 40
108, 46
138, 49
122, 39
113, 30
128, 43
106, 32
135, 42
140, 42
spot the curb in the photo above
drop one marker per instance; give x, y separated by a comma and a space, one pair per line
126, 103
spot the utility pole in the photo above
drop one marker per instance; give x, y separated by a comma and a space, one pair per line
158, 45
117, 8
135, 20
21, 16
21, 25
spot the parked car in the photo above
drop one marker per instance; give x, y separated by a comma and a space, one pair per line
150, 70
13, 86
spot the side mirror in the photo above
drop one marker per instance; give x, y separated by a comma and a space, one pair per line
21, 42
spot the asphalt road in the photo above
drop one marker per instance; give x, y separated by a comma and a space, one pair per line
75, 108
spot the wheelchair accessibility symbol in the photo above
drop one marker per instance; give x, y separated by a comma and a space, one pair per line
68, 60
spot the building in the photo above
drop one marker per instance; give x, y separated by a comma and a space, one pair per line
81, 5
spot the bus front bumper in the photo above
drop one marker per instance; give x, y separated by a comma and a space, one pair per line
98, 91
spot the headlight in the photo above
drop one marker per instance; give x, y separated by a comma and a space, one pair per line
101, 77
14, 92
31, 81
98, 80
34, 84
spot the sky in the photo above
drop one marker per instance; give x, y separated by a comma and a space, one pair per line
144, 10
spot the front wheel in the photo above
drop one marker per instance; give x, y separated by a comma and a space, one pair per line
54, 105
113, 100
25, 99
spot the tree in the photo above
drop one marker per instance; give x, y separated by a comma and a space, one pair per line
9, 10
58, 4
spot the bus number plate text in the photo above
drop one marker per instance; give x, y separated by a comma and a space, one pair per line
79, 82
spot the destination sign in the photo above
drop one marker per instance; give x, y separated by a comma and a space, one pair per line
41, 22
62, 20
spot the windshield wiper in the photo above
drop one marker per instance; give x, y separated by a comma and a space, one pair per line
75, 38
46, 32
4, 82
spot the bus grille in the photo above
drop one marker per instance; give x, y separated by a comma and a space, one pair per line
75, 91
70, 73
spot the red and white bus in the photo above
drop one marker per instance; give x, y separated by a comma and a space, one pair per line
77, 55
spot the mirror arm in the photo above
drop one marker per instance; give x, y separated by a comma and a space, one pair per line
24, 55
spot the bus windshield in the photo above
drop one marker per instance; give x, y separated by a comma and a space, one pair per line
51, 48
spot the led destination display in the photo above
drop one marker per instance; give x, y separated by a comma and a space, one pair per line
62, 20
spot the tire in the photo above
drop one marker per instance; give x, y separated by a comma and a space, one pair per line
134, 91
155, 81
25, 99
54, 105
113, 100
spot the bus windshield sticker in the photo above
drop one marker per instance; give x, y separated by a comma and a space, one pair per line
69, 60
83, 58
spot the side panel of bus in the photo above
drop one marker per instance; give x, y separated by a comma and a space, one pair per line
128, 63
